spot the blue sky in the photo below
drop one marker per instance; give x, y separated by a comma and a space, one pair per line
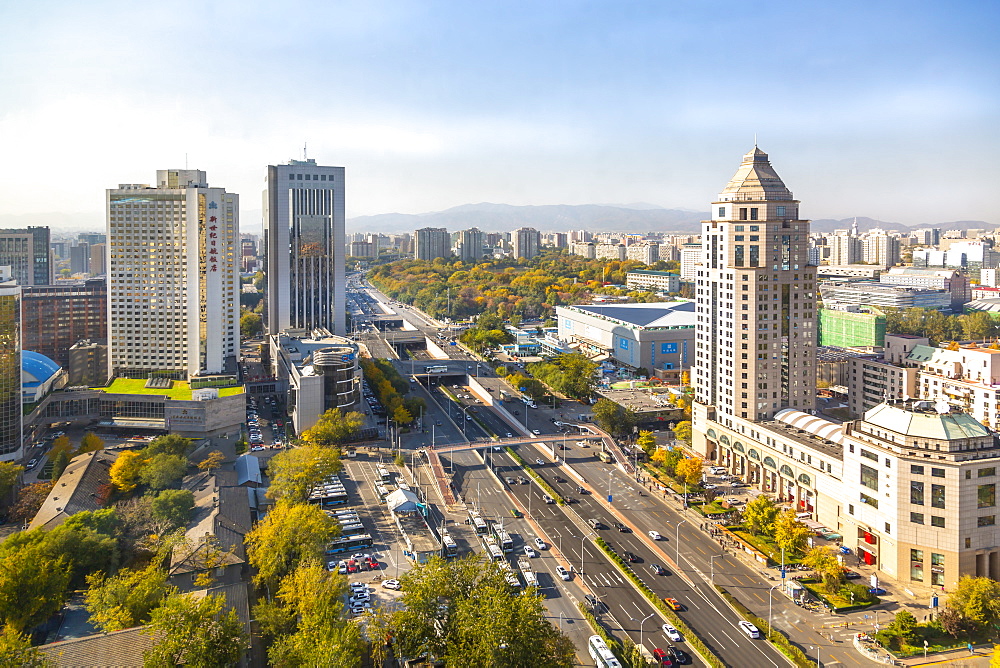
881, 109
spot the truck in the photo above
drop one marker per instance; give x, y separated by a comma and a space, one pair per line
529, 577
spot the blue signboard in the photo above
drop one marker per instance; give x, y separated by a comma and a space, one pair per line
667, 348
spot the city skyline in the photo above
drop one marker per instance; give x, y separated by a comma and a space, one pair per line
430, 106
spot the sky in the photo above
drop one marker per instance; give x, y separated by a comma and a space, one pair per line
884, 109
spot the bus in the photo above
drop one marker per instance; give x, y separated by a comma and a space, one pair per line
478, 523
503, 538
352, 528
436, 369
384, 475
492, 549
605, 457
601, 655
529, 402
509, 575
449, 548
504, 395
349, 543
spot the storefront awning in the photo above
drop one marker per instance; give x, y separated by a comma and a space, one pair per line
133, 423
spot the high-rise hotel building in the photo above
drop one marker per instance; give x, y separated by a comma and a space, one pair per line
172, 277
304, 236
10, 366
756, 299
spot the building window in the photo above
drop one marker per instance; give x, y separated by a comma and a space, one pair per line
937, 521
986, 496
888, 528
917, 518
869, 477
937, 569
780, 211
917, 493
722, 212
916, 470
917, 565
937, 473
987, 520
870, 500
850, 509
743, 213
937, 496
985, 473
753, 213
869, 455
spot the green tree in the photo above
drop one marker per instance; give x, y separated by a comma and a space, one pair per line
170, 444
9, 474
292, 533
251, 325
258, 281
59, 463
977, 601
334, 427
194, 631
312, 630
759, 515
614, 418
647, 441
689, 469
402, 416
295, 472
463, 612
173, 507
32, 587
790, 534
163, 470
823, 560
903, 627
16, 650
125, 600
90, 442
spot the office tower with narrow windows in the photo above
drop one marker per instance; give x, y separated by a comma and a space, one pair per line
305, 247
432, 243
10, 366
28, 254
54, 317
470, 245
526, 241
172, 277
756, 300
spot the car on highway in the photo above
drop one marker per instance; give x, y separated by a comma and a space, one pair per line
529, 552
509, 480
674, 604
539, 543
563, 573
662, 658
621, 527
672, 633
582, 444
510, 435
539, 461
536, 432
749, 629
657, 569
32, 464
655, 535
632, 557
516, 513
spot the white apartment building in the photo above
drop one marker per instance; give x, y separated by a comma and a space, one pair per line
470, 245
431, 243
584, 249
304, 228
609, 251
875, 379
690, 259
172, 277
879, 248
647, 253
658, 281
526, 242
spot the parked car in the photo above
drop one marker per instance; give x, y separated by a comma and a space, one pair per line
391, 584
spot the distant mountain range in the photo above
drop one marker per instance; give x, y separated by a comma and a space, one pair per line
638, 217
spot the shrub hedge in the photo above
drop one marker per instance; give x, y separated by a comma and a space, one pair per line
537, 478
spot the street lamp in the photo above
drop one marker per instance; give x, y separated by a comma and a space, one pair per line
770, 600
677, 541
641, 622
711, 561
816, 647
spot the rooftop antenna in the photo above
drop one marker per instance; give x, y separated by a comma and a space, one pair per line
185, 160
755, 140
305, 154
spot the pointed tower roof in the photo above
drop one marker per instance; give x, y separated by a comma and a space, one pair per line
756, 180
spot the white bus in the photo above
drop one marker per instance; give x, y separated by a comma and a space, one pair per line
601, 655
436, 369
449, 548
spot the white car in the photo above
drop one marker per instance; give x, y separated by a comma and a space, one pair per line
391, 584
655, 535
361, 598
672, 633
529, 552
536, 432
540, 462
510, 435
360, 609
539, 543
563, 573
708, 486
749, 629
342, 567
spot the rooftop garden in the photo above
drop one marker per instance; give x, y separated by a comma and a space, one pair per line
180, 390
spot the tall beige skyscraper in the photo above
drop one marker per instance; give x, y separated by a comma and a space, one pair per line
172, 277
756, 301
10, 366
526, 241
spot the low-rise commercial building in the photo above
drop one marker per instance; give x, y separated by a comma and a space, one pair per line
870, 293
657, 336
659, 281
851, 326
